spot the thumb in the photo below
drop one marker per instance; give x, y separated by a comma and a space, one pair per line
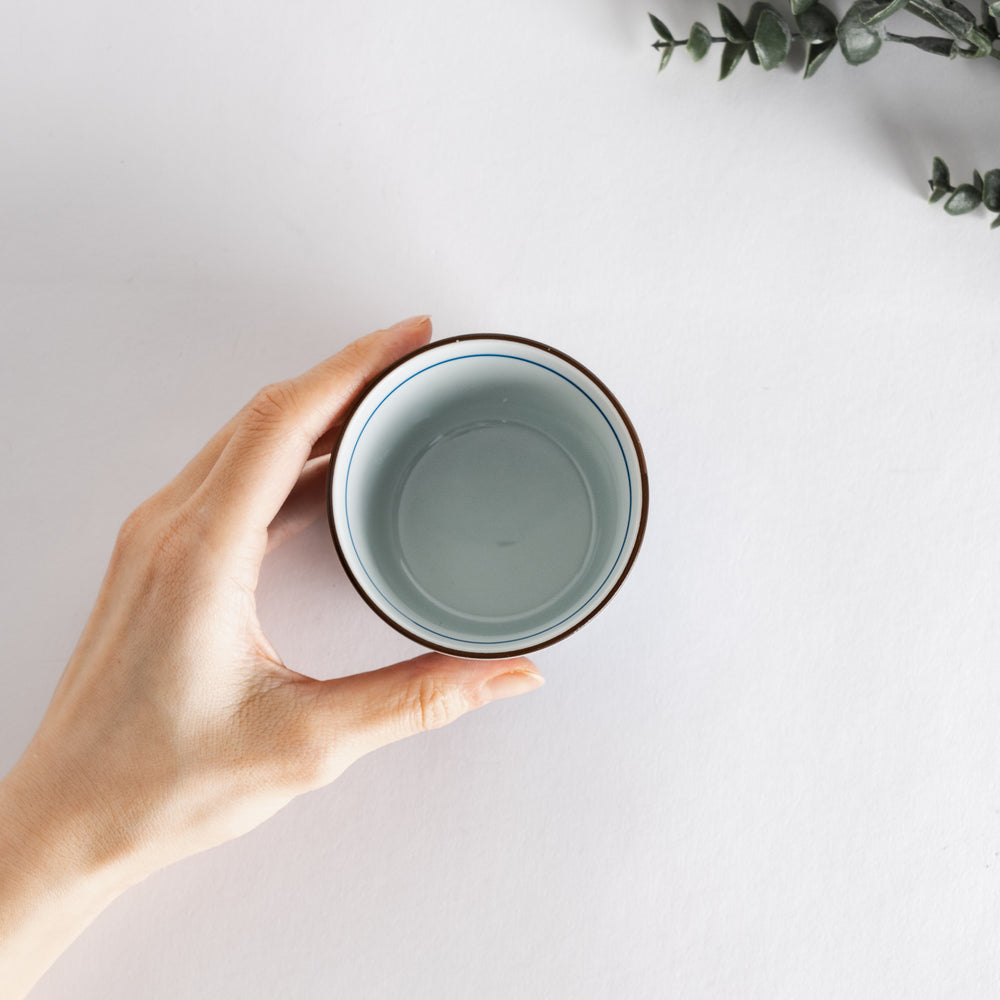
372, 709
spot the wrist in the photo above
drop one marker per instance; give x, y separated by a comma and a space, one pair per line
57, 873
53, 829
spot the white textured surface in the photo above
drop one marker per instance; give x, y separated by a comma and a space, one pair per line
771, 767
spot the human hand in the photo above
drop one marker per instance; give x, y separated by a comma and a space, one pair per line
176, 725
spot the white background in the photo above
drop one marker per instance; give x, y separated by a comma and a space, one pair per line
771, 767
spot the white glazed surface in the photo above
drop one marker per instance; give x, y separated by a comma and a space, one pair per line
487, 496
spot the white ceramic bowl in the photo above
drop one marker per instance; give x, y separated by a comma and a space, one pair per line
487, 495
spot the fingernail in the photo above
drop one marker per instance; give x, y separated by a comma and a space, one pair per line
508, 685
413, 321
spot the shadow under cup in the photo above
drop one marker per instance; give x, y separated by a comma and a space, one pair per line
487, 495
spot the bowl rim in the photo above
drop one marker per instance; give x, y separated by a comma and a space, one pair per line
372, 384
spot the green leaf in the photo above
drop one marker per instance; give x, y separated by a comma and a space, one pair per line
731, 26
940, 182
934, 44
963, 199
750, 27
661, 29
801, 6
881, 10
771, 39
976, 45
989, 24
756, 9
699, 41
990, 27
816, 56
940, 175
994, 9
732, 53
949, 15
977, 182
991, 190
859, 41
817, 24
668, 51
995, 224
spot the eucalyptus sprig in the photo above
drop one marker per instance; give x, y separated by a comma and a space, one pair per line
767, 36
984, 190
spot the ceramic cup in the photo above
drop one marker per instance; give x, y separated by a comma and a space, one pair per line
487, 495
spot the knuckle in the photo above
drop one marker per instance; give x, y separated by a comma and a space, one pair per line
130, 528
137, 525
155, 548
173, 538
434, 702
272, 404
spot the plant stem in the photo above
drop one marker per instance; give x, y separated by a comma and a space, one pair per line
682, 41
892, 37
678, 42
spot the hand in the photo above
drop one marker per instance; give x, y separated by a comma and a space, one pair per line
176, 725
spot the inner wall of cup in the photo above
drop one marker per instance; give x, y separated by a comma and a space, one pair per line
485, 499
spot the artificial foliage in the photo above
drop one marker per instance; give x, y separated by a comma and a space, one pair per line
984, 190
768, 36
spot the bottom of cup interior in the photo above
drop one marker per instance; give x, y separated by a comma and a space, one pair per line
494, 514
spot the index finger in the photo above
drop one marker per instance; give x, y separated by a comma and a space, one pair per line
276, 432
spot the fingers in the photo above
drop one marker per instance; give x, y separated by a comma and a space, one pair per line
304, 505
372, 709
193, 474
278, 430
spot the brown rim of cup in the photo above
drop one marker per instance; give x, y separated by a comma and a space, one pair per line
643, 478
